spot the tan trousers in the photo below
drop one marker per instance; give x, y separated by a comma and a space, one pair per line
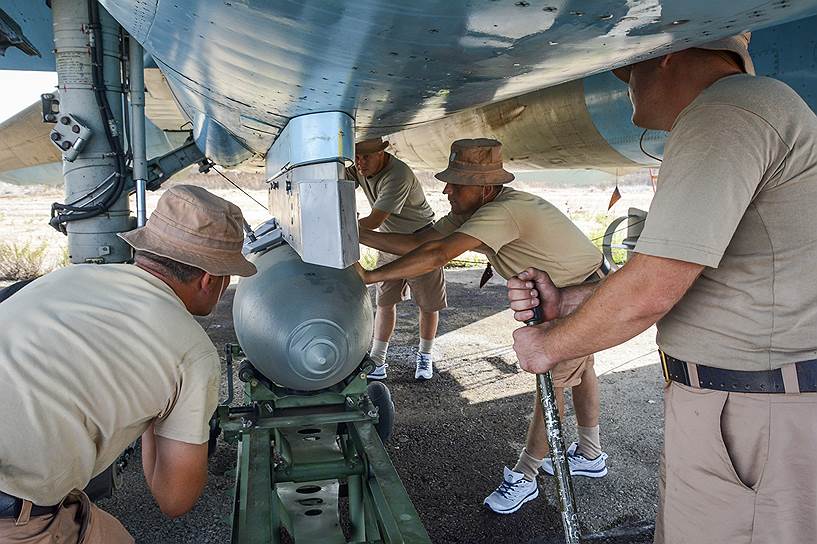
78, 521
738, 468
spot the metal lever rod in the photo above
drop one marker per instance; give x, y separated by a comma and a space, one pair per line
556, 443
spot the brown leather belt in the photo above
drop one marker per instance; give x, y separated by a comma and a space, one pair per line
793, 378
11, 506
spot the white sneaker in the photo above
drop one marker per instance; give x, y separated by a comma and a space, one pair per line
514, 491
379, 372
425, 367
579, 464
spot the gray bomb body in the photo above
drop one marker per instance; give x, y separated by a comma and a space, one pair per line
303, 326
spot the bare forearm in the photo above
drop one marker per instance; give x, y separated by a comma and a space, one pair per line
575, 296
421, 260
603, 321
622, 306
390, 242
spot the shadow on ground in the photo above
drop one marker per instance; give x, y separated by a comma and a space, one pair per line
453, 435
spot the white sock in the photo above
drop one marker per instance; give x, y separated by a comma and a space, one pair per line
378, 353
426, 345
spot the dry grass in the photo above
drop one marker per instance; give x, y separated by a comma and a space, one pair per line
21, 261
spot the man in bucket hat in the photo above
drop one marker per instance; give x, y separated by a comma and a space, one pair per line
726, 267
93, 356
514, 230
398, 205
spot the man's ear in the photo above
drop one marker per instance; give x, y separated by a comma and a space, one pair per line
667, 59
207, 282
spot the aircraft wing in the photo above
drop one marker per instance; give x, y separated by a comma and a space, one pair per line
243, 69
25, 142
531, 74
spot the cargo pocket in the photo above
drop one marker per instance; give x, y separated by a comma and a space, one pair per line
744, 428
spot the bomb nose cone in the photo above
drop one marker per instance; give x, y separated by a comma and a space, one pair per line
303, 326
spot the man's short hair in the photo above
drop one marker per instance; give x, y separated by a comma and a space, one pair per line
179, 271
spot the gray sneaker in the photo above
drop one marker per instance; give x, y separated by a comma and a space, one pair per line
512, 493
379, 372
579, 464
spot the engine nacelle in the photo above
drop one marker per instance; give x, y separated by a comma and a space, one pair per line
303, 326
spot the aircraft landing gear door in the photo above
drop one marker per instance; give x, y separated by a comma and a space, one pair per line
309, 195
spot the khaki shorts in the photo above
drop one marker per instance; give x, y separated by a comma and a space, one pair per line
569, 373
77, 521
428, 290
737, 468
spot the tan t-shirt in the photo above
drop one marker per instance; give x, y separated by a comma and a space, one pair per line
738, 193
396, 190
90, 356
519, 230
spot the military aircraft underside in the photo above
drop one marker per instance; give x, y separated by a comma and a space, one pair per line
148, 87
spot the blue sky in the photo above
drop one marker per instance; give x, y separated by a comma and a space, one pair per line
21, 89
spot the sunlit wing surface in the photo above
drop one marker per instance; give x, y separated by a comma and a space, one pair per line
249, 66
528, 73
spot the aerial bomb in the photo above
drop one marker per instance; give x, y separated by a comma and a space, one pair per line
303, 326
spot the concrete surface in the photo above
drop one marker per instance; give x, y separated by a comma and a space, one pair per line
454, 433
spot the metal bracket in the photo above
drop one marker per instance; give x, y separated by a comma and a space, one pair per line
314, 203
266, 236
70, 136
312, 139
161, 168
51, 107
11, 35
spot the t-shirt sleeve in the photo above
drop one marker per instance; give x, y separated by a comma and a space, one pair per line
392, 193
197, 398
448, 225
493, 225
715, 162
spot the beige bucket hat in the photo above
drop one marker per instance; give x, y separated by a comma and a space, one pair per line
736, 44
372, 145
475, 162
193, 226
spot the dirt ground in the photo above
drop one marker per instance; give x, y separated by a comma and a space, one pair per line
453, 434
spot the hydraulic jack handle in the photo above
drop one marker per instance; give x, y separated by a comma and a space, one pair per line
556, 443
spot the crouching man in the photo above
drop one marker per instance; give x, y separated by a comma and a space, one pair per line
93, 356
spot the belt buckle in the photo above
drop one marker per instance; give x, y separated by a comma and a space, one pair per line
664, 367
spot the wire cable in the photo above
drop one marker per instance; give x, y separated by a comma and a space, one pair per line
641, 145
237, 187
61, 214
